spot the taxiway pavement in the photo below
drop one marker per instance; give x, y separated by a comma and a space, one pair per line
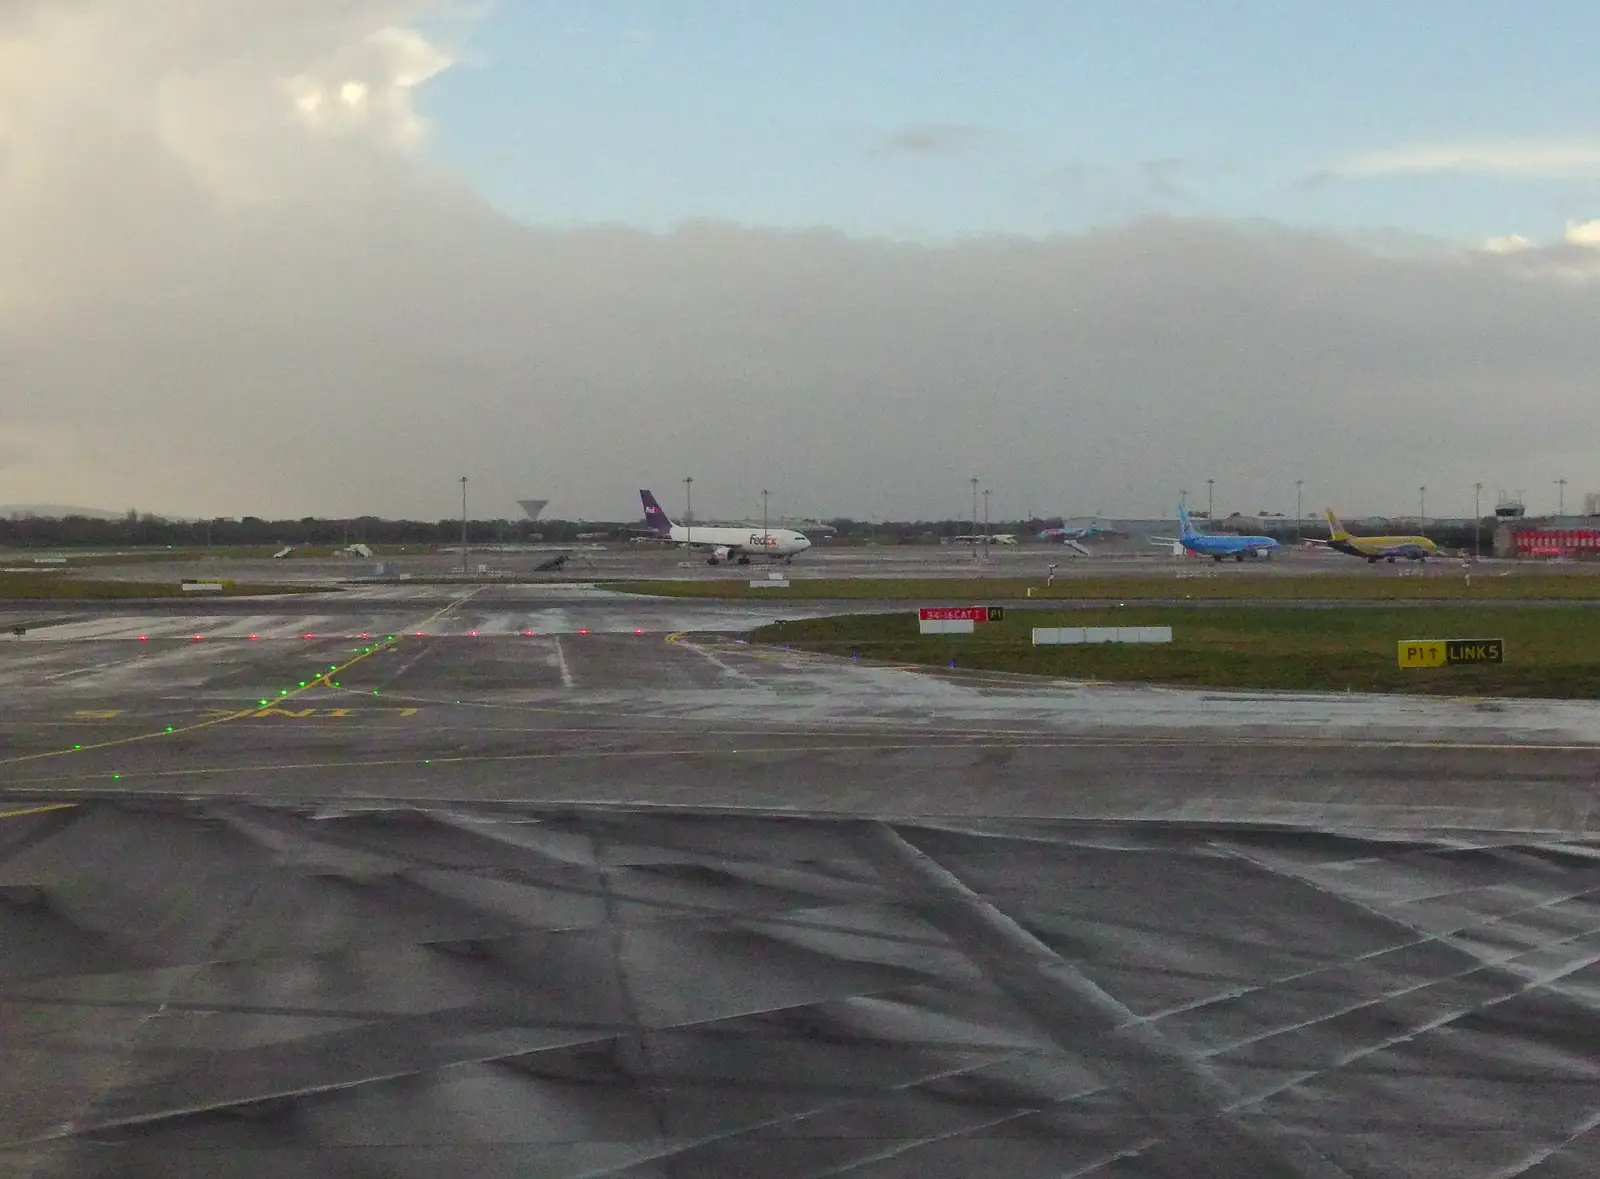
586, 885
583, 696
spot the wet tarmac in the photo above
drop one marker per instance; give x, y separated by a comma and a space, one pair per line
601, 889
827, 560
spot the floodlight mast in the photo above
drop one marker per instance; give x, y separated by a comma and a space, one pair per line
463, 525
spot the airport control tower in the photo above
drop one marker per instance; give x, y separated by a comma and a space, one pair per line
533, 507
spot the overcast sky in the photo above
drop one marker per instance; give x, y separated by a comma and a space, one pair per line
292, 257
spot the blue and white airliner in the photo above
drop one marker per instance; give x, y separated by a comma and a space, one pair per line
1220, 547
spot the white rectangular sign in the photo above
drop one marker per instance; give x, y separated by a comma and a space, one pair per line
1052, 636
945, 626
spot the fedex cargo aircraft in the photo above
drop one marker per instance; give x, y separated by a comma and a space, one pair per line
724, 544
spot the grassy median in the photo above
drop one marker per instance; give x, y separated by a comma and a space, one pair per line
1445, 586
53, 587
1551, 651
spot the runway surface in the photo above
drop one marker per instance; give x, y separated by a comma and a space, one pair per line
601, 889
827, 560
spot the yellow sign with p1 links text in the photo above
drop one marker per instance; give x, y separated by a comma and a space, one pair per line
1450, 652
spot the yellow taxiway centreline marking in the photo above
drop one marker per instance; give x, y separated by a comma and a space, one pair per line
196, 727
38, 810
325, 679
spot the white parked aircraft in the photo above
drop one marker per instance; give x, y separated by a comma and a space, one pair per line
724, 544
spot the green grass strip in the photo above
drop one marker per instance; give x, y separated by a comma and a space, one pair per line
1552, 651
1446, 586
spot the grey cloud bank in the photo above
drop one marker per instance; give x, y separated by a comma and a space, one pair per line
216, 300
938, 139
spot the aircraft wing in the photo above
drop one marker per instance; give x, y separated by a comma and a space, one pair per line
642, 533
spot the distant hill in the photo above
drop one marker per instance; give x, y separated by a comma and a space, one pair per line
59, 511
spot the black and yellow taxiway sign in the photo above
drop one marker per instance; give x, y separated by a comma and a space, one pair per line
1450, 652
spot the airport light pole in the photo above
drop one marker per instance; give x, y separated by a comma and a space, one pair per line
1561, 497
1298, 514
1422, 506
463, 525
1183, 498
974, 517
985, 523
688, 508
1477, 517
1211, 514
765, 535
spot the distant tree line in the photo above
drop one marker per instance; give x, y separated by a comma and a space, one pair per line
144, 530
136, 529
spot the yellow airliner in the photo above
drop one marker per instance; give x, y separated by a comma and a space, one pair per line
1378, 548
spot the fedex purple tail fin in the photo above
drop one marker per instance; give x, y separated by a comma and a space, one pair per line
655, 518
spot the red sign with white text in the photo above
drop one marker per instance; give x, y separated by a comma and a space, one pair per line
957, 613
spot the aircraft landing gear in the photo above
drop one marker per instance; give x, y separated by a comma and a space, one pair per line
744, 560
1239, 557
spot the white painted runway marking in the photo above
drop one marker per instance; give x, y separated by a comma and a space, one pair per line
730, 672
166, 626
561, 662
